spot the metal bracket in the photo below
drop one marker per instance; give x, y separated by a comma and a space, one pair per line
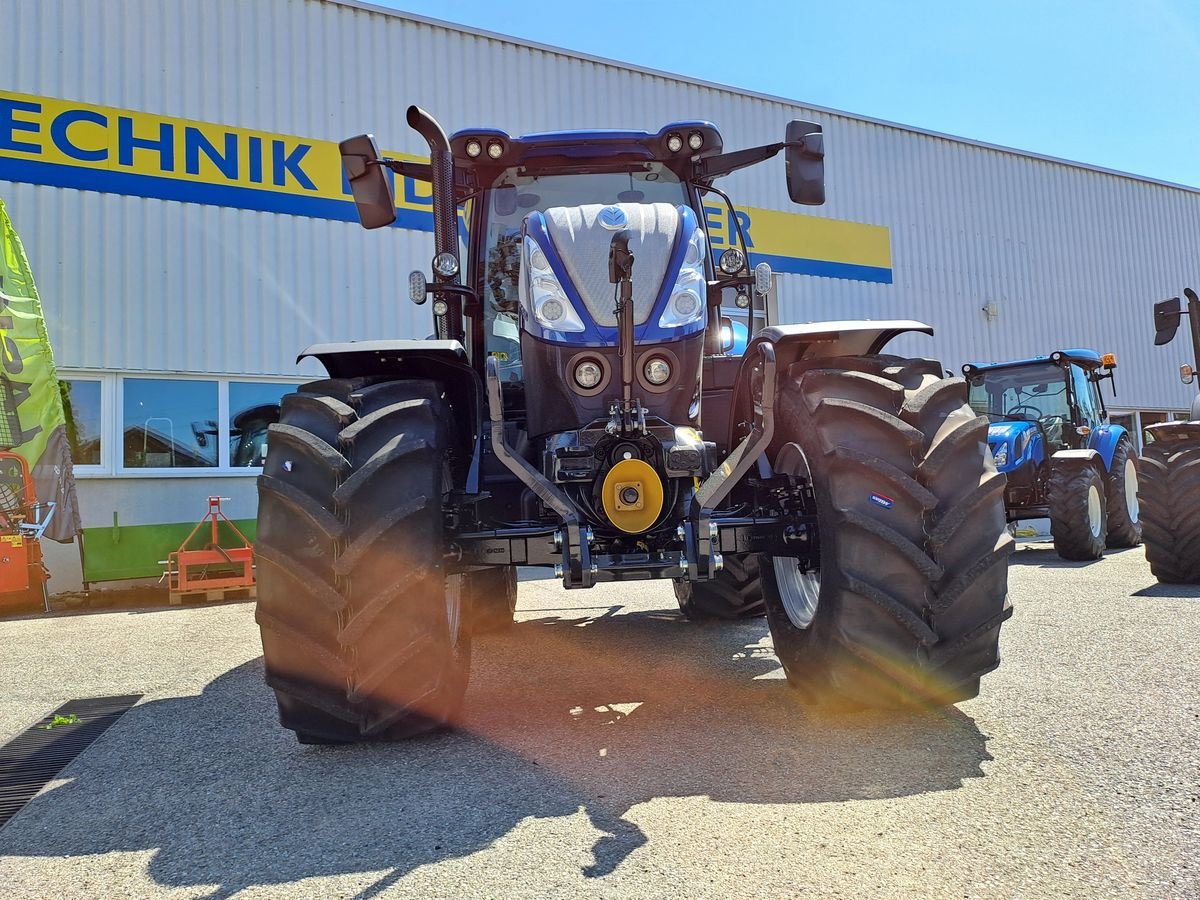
577, 563
699, 533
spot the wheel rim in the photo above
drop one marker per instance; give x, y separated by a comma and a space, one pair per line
1131, 489
454, 592
1095, 521
799, 591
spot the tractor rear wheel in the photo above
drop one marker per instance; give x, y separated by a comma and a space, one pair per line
906, 605
1078, 510
1169, 491
736, 592
363, 633
1124, 513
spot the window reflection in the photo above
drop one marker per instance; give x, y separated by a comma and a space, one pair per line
169, 423
81, 404
252, 408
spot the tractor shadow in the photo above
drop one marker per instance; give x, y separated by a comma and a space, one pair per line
591, 715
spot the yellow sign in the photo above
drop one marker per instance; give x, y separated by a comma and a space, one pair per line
69, 144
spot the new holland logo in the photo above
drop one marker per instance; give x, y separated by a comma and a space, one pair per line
612, 218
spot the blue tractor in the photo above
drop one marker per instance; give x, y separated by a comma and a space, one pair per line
588, 404
1050, 434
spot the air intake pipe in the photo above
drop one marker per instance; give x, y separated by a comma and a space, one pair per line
445, 210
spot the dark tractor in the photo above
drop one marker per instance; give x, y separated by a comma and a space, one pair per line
1051, 436
579, 408
1170, 466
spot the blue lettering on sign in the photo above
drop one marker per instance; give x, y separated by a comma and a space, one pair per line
745, 222
9, 125
164, 145
195, 143
881, 500
290, 164
256, 160
61, 136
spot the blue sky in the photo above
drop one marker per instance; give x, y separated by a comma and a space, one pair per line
1108, 83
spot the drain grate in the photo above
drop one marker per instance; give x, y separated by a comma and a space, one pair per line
31, 759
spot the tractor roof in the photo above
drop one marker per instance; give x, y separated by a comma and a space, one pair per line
579, 149
1089, 359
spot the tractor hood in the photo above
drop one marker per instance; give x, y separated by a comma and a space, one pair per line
1010, 443
566, 294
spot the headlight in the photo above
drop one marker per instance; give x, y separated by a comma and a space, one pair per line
446, 265
657, 370
474, 148
547, 300
588, 374
674, 142
1000, 457
687, 296
732, 261
695, 140
495, 149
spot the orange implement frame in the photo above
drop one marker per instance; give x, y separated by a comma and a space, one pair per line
214, 571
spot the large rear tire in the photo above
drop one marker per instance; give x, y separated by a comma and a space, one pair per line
1078, 510
736, 592
362, 632
1124, 511
1169, 491
912, 587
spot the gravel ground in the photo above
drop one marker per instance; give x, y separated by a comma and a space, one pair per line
612, 749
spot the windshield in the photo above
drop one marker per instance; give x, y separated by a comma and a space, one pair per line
1025, 393
507, 205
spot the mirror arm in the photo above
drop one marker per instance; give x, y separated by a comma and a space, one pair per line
715, 166
415, 171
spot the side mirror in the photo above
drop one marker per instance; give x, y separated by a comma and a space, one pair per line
1166, 320
804, 161
372, 192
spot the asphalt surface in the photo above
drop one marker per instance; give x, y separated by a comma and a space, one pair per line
612, 749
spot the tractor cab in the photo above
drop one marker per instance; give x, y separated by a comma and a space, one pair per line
1055, 397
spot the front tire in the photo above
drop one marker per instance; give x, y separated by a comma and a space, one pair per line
1078, 511
362, 631
736, 592
1124, 511
1169, 491
907, 603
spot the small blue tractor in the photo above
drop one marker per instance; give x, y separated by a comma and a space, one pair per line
1170, 466
1051, 436
589, 404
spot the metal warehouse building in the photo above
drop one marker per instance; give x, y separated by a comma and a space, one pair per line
172, 169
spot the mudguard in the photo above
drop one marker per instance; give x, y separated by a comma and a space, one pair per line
812, 340
1104, 441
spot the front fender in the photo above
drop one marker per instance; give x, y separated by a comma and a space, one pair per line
1105, 439
812, 340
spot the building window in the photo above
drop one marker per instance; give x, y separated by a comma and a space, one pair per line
253, 406
169, 423
82, 407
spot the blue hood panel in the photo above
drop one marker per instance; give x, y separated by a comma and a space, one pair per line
1014, 435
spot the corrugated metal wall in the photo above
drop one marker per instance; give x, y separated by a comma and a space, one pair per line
1069, 256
